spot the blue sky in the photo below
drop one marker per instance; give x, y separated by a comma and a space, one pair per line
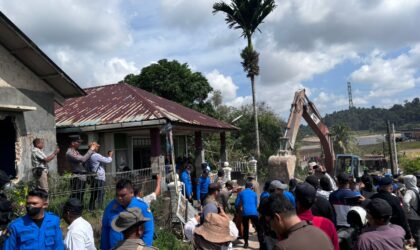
314, 44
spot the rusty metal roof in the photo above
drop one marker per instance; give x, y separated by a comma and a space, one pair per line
124, 103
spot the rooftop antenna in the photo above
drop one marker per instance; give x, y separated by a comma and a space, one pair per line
350, 95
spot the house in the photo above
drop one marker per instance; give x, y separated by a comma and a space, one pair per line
30, 85
132, 122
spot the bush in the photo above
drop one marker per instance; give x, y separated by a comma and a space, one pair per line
410, 166
168, 241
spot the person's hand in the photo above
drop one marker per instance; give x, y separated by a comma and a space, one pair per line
411, 242
92, 147
197, 217
57, 150
110, 153
362, 199
158, 177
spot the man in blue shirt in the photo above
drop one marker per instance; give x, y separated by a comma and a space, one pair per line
38, 229
342, 198
186, 179
203, 183
248, 200
124, 199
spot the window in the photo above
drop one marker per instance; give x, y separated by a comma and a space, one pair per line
141, 153
121, 152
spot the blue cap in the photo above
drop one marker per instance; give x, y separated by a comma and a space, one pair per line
385, 181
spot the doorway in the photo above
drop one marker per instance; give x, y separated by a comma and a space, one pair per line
7, 147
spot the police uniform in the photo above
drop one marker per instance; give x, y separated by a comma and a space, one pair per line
110, 238
24, 233
132, 244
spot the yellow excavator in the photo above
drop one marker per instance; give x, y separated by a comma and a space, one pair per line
282, 165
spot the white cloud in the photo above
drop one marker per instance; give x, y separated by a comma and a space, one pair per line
389, 76
113, 70
239, 101
89, 25
224, 84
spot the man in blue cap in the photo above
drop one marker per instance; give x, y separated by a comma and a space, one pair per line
124, 200
398, 217
203, 183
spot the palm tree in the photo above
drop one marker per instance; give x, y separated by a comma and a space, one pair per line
247, 15
343, 139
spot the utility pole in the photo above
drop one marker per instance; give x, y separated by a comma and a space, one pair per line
395, 147
391, 149
350, 95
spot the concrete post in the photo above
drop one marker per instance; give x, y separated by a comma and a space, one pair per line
199, 152
155, 150
223, 151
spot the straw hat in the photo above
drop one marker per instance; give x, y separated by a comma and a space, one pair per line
215, 229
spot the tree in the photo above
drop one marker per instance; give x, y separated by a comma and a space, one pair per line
175, 81
247, 15
343, 139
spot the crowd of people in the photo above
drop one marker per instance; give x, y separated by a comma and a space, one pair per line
321, 212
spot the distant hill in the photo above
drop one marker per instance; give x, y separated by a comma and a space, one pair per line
374, 119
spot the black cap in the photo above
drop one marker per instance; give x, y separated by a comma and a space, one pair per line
379, 208
305, 191
343, 178
313, 180
74, 206
75, 138
385, 181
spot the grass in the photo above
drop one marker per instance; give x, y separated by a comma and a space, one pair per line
378, 148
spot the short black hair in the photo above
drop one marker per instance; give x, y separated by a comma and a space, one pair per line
124, 183
213, 188
249, 184
267, 186
278, 204
38, 193
74, 206
138, 188
313, 180
325, 183
220, 173
36, 141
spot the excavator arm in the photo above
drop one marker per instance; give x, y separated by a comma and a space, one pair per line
303, 107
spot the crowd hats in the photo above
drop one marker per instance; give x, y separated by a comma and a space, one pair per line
128, 218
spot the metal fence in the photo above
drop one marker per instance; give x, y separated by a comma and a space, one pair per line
95, 195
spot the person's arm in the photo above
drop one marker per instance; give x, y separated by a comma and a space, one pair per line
149, 227
81, 158
51, 156
198, 189
157, 189
10, 242
105, 244
406, 200
190, 226
103, 159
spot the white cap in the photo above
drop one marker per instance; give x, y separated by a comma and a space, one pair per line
225, 164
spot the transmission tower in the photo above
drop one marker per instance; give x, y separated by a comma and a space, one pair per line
350, 95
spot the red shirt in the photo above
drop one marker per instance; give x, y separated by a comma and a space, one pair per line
322, 223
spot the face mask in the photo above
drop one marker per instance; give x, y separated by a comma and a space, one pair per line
32, 211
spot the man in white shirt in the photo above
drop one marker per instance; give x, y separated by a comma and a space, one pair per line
151, 197
96, 165
80, 233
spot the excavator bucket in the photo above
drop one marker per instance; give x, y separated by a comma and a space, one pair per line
282, 167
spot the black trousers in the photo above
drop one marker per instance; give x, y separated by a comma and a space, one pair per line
78, 187
96, 194
245, 223
415, 231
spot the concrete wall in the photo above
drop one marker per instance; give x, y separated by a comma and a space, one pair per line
20, 86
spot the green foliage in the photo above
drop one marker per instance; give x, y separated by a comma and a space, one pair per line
175, 81
246, 15
374, 119
250, 61
168, 241
17, 196
410, 166
343, 139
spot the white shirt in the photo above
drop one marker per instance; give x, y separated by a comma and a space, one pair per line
79, 236
148, 198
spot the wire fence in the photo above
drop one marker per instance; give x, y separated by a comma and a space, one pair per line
95, 194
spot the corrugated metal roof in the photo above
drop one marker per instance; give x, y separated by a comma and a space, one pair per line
124, 103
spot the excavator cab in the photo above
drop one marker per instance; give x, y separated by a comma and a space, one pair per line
349, 164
